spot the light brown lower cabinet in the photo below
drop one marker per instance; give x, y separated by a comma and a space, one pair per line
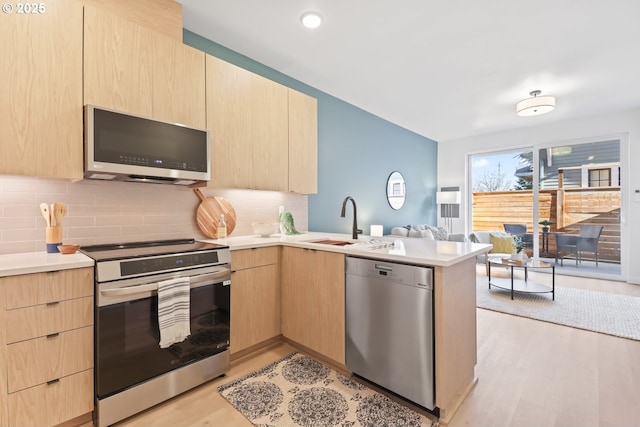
255, 297
47, 319
52, 403
46, 347
313, 300
44, 359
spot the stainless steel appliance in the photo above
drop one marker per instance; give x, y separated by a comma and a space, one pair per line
389, 327
124, 147
132, 372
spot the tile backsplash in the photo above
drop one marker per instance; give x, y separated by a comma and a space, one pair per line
110, 212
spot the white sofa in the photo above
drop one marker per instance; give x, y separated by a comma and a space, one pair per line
426, 231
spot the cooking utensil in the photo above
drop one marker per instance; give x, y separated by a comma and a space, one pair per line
208, 214
44, 208
58, 211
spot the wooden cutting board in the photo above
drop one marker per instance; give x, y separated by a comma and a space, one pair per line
208, 214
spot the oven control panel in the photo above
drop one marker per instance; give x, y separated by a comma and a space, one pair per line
166, 263
144, 266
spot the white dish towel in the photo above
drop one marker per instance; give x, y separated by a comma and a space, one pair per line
173, 310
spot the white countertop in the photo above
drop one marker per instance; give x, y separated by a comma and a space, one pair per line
38, 262
398, 249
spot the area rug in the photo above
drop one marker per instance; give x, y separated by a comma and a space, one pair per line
299, 391
603, 312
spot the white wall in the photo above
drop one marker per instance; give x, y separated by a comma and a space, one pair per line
453, 164
109, 212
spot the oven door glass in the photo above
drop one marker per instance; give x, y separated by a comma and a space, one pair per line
127, 338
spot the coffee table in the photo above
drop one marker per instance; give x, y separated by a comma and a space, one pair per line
519, 285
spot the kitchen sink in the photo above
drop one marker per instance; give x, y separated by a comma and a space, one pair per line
360, 244
333, 242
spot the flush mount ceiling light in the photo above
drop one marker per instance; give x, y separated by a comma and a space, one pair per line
536, 105
311, 19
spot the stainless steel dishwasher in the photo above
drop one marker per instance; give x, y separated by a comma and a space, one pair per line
389, 327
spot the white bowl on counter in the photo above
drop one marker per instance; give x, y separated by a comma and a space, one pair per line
266, 229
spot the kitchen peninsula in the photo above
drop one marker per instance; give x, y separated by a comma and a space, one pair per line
291, 288
312, 301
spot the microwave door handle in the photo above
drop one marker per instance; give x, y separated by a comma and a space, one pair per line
196, 282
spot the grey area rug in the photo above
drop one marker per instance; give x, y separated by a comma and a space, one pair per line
299, 391
603, 312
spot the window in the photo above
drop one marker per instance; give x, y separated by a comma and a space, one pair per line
600, 178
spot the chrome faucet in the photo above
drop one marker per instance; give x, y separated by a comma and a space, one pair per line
355, 231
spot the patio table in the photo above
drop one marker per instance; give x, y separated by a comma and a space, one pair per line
545, 241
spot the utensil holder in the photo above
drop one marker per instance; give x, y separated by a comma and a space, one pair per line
53, 239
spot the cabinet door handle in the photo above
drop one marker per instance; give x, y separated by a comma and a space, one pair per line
53, 335
53, 303
53, 381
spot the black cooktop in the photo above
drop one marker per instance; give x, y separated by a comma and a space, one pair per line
149, 248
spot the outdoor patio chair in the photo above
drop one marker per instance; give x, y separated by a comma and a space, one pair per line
567, 244
588, 240
576, 244
520, 230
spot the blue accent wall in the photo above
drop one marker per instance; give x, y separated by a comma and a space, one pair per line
357, 151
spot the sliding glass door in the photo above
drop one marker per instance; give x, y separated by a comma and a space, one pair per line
567, 197
502, 195
579, 195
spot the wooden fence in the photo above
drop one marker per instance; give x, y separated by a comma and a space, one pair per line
566, 208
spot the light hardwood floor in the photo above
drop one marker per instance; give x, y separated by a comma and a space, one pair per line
530, 373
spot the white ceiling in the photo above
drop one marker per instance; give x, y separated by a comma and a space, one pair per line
443, 69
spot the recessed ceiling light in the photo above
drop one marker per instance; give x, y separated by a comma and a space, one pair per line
311, 19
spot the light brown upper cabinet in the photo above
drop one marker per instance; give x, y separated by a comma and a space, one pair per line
117, 63
303, 143
252, 120
247, 120
162, 16
41, 99
132, 69
178, 83
228, 121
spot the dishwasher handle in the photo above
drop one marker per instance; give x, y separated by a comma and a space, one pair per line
391, 272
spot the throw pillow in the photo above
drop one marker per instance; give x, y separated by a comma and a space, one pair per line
415, 233
427, 234
502, 244
439, 233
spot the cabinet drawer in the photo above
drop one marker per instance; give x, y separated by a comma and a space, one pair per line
37, 361
41, 320
51, 404
41, 288
249, 258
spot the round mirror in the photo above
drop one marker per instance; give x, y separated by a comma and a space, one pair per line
396, 190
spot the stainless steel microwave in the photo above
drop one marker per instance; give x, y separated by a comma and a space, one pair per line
124, 147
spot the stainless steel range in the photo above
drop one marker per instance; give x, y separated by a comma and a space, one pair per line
132, 371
